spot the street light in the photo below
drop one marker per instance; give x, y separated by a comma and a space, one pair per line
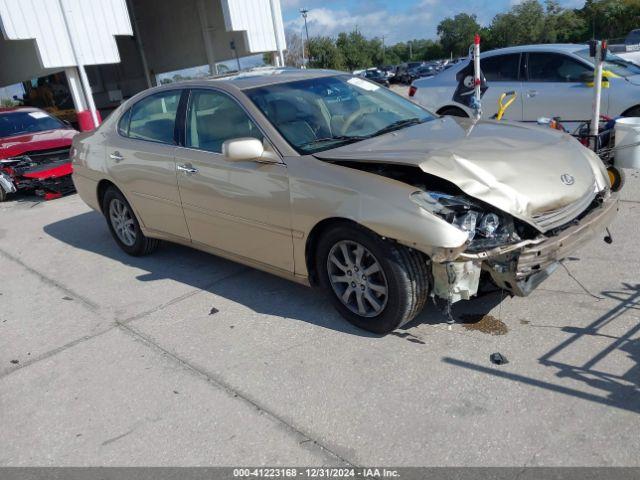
303, 12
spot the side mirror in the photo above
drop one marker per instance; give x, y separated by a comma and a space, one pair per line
247, 149
587, 78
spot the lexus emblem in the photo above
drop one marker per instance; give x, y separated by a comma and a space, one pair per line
567, 179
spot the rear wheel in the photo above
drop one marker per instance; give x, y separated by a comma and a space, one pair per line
124, 225
375, 284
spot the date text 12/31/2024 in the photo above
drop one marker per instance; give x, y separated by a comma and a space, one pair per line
304, 473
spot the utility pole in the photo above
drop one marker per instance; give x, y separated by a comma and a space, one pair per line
303, 12
304, 60
383, 52
410, 50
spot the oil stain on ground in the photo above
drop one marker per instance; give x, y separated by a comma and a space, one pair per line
484, 323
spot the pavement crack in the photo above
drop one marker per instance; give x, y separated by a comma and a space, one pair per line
115, 439
185, 296
49, 281
55, 351
219, 383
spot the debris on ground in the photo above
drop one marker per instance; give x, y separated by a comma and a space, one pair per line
498, 359
15, 362
213, 311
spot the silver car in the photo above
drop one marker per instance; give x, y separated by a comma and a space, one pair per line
550, 80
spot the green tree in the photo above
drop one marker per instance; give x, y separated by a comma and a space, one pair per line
456, 34
354, 49
611, 18
323, 53
571, 27
522, 24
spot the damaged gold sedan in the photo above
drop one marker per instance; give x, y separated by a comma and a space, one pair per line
331, 180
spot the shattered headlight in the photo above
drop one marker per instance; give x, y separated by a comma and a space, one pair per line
485, 229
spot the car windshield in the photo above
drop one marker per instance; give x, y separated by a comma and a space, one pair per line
614, 64
323, 113
19, 123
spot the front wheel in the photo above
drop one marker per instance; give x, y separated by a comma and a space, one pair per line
124, 225
375, 284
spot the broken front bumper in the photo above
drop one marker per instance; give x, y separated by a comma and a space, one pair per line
520, 268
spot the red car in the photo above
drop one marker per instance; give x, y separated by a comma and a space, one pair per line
34, 153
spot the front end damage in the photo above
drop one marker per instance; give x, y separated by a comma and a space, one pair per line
518, 254
521, 267
47, 173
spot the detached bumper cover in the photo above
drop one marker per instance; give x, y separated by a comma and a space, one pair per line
521, 270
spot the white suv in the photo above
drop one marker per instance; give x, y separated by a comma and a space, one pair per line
550, 80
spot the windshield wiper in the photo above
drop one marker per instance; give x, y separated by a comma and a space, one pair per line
343, 138
398, 125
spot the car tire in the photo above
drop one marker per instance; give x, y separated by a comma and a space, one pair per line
124, 225
453, 112
402, 272
3, 195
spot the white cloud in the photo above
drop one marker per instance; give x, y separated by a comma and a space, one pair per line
289, 3
394, 26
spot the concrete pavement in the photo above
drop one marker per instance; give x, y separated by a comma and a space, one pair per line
182, 358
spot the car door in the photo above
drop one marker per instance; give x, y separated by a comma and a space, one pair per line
240, 207
142, 162
555, 87
503, 76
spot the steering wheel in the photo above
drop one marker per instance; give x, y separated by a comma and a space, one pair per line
351, 120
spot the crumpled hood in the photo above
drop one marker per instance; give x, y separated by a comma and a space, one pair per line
20, 144
514, 167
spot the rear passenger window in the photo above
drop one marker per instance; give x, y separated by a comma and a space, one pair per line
214, 118
123, 124
501, 68
153, 118
555, 67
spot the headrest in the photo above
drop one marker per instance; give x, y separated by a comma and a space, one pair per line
283, 111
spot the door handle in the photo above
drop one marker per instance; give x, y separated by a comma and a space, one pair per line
532, 93
116, 157
188, 169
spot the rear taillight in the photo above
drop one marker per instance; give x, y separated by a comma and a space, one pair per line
412, 90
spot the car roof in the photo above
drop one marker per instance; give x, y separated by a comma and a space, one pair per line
261, 77
546, 47
18, 109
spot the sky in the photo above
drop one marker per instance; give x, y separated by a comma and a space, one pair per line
397, 20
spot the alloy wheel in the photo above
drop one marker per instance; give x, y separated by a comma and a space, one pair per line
357, 278
122, 222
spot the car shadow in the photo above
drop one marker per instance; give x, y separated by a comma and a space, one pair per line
244, 285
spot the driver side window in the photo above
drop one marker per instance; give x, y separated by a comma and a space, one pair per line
555, 67
213, 118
